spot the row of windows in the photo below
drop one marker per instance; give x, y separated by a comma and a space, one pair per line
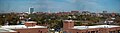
94, 32
114, 31
91, 32
83, 32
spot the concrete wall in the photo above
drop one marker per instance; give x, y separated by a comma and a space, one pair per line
33, 30
94, 30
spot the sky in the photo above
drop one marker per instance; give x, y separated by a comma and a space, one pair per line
60, 5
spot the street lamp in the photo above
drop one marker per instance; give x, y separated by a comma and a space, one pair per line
5, 23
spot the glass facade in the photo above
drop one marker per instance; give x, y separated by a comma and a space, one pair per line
31, 10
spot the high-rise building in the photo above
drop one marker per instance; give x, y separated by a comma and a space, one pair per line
104, 11
31, 10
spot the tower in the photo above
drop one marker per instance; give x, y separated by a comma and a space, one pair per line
31, 10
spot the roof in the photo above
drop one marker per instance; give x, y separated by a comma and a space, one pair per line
21, 27
6, 30
69, 20
97, 26
30, 22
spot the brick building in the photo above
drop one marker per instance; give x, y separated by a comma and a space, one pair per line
68, 27
29, 27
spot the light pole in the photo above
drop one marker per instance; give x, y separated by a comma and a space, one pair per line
5, 23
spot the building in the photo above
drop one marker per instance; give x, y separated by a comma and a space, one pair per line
3, 30
29, 27
68, 27
31, 10
104, 11
86, 13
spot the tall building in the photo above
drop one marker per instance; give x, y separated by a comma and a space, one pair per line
104, 11
31, 10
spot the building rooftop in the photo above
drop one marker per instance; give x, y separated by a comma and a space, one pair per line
6, 30
97, 26
69, 20
30, 22
21, 27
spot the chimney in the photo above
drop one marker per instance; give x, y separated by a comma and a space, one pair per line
68, 24
30, 23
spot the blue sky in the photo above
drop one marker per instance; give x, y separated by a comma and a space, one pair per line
59, 5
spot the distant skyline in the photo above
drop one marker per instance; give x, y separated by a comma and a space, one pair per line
60, 5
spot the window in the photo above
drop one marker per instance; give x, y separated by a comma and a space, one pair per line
96, 31
92, 31
18, 32
64, 32
88, 32
82, 32
40, 31
118, 31
77, 32
111, 31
